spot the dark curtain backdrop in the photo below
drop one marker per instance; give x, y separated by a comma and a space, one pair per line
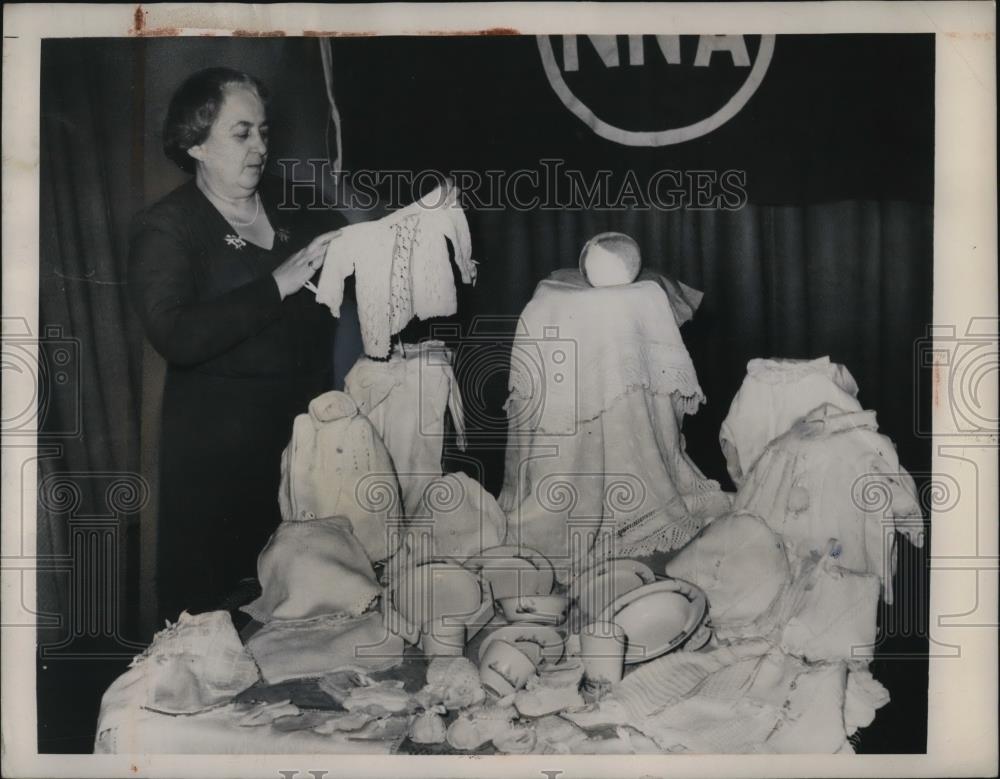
850, 280
848, 277
90, 484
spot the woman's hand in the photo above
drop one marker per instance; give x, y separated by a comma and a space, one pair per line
294, 272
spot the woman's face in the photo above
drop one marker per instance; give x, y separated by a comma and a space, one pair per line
232, 157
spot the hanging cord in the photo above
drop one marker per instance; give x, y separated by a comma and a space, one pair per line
326, 55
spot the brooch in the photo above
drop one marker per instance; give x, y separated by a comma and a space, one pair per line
235, 241
283, 235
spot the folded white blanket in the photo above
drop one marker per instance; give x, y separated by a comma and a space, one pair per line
222, 731
749, 697
289, 649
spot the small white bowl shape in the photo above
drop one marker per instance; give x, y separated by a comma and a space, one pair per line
548, 639
504, 668
540, 609
439, 589
510, 576
597, 586
513, 570
657, 617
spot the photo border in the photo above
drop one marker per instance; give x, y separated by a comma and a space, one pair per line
962, 695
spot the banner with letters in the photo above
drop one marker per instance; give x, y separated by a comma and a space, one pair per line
660, 121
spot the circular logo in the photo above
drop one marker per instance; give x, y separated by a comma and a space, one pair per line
684, 86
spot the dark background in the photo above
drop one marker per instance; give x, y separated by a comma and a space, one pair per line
831, 255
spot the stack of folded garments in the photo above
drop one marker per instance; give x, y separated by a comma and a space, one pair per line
319, 592
340, 503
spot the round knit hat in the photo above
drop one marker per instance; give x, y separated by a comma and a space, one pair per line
609, 259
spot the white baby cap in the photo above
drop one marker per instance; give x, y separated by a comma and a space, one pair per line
741, 565
313, 569
610, 259
337, 465
192, 665
458, 518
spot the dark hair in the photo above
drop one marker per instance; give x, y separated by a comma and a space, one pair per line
194, 107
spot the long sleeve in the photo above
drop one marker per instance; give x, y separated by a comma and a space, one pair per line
185, 330
337, 267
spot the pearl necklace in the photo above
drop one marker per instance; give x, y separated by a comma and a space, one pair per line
236, 223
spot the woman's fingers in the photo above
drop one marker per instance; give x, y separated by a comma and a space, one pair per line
321, 241
315, 258
316, 251
298, 269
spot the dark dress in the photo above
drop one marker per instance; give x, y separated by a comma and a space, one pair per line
241, 363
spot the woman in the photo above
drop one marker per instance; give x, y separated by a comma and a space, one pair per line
216, 276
